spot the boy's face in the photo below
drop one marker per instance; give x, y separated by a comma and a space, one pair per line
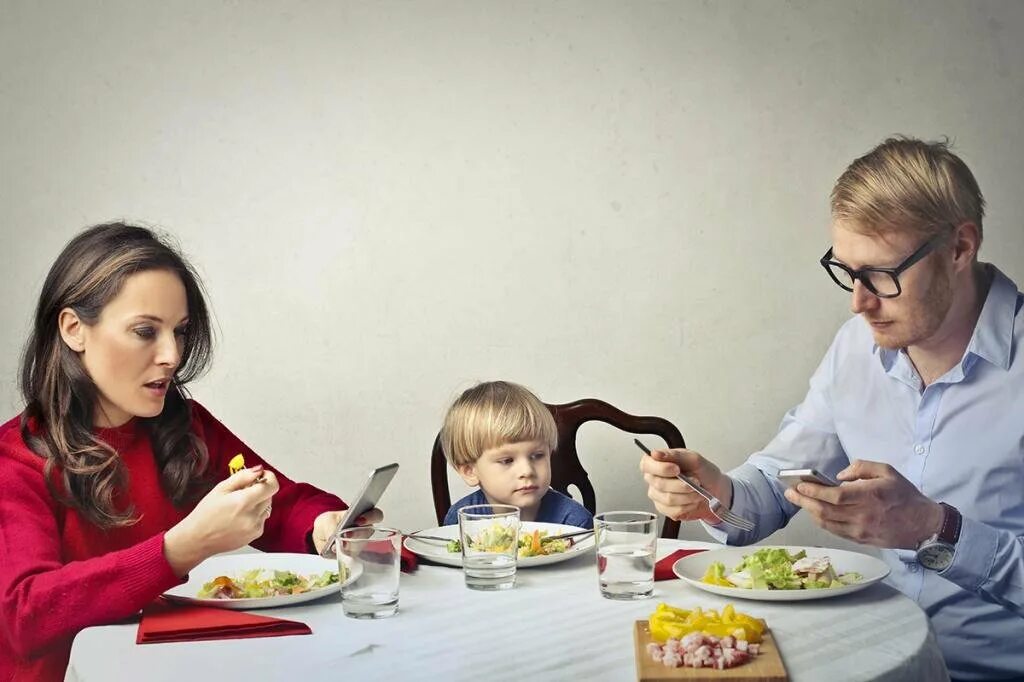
515, 473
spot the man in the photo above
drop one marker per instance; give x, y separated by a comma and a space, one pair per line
917, 409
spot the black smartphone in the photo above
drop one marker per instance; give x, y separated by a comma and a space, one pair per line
793, 476
373, 489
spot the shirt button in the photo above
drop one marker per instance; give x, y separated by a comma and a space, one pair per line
919, 449
914, 568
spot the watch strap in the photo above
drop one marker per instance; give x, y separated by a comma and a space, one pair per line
951, 523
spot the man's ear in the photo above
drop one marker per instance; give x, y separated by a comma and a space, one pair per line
966, 241
72, 330
468, 473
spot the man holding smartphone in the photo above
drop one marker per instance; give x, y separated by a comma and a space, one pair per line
915, 410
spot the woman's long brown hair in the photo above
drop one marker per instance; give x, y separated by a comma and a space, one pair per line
81, 470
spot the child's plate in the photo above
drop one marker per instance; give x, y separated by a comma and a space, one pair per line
437, 551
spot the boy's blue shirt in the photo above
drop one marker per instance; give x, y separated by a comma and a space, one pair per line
555, 507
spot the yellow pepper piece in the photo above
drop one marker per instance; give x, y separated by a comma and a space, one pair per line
236, 464
665, 608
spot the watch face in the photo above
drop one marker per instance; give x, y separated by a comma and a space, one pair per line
936, 556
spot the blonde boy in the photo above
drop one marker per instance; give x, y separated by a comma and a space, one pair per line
499, 436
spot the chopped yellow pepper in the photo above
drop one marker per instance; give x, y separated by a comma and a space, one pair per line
669, 622
236, 464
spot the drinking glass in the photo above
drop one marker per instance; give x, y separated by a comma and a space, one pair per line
490, 545
626, 544
375, 554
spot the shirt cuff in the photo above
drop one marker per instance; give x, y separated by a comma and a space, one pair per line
974, 555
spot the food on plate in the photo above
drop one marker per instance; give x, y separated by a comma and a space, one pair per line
236, 464
703, 639
498, 538
533, 544
258, 583
777, 569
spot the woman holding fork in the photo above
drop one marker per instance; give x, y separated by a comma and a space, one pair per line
115, 482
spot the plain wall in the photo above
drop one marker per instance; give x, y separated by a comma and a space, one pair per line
390, 201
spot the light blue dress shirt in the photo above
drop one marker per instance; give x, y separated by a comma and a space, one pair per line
960, 440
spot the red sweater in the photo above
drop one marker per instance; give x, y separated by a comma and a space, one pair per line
60, 574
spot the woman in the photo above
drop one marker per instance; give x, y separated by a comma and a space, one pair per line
113, 482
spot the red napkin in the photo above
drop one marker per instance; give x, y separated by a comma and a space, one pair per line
409, 560
164, 622
663, 569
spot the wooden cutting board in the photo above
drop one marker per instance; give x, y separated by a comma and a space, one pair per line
765, 667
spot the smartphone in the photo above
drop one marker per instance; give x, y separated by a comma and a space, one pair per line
793, 476
375, 485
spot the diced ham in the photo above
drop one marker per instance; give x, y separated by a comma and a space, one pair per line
697, 650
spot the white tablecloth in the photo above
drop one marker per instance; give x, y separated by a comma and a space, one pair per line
552, 626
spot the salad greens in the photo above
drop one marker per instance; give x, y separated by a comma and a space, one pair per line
777, 569
258, 583
497, 538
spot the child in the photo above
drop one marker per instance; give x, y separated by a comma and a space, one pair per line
499, 436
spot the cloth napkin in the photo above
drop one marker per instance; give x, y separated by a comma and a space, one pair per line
165, 622
409, 560
663, 569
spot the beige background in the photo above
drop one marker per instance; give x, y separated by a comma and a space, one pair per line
390, 201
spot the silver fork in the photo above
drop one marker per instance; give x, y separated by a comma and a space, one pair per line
717, 508
564, 536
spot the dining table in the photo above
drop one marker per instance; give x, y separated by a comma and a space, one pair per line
553, 625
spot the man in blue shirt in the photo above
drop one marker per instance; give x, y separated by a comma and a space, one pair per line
917, 409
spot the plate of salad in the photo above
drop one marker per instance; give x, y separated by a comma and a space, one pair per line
780, 573
263, 581
532, 552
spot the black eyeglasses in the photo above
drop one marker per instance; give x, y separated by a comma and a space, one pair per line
882, 282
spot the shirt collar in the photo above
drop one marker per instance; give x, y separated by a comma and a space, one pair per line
992, 339
993, 335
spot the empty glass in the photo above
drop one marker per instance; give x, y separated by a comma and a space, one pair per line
375, 556
490, 543
626, 543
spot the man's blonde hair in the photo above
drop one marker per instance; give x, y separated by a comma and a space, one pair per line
908, 184
492, 414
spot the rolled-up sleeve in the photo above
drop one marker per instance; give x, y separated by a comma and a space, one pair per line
806, 439
990, 563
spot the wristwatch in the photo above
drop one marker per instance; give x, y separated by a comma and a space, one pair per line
936, 553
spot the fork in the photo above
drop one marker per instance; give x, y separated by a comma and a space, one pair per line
549, 538
717, 508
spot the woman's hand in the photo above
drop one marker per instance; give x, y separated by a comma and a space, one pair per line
327, 523
675, 499
230, 516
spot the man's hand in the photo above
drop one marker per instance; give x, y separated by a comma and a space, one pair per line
327, 523
675, 499
873, 505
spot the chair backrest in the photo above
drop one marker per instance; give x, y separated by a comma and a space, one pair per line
566, 468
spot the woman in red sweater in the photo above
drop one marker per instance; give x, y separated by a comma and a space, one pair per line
113, 482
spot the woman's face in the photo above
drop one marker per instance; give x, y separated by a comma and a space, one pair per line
135, 346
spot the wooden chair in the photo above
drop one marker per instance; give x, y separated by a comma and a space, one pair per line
566, 468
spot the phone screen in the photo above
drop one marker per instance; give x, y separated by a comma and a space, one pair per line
373, 489
793, 476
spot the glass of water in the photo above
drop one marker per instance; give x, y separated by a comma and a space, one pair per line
626, 543
490, 545
374, 555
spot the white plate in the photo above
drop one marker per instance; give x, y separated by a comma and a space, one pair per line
692, 568
437, 552
234, 564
